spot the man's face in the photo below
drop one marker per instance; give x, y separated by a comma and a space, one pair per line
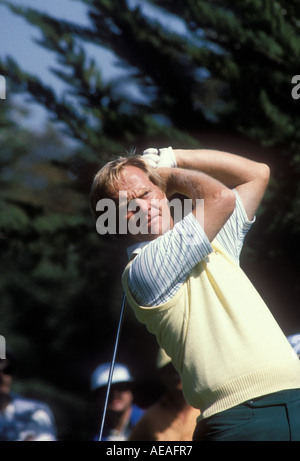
145, 206
120, 398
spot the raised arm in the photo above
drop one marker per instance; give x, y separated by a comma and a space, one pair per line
218, 200
250, 178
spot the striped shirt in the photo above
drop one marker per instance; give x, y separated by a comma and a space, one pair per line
163, 264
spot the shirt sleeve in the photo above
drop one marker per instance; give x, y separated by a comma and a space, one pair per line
233, 233
161, 267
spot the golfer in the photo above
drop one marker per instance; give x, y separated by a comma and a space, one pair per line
185, 283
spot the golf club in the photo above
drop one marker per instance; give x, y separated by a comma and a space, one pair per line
112, 365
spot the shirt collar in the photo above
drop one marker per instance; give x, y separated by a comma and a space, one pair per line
136, 248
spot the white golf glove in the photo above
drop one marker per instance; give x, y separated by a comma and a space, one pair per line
157, 158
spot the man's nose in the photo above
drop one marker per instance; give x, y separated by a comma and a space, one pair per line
137, 205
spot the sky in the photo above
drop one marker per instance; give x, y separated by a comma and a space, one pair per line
17, 40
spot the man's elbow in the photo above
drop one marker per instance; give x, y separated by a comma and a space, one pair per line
263, 174
226, 201
219, 208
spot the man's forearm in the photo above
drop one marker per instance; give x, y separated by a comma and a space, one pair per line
192, 183
219, 200
232, 170
250, 178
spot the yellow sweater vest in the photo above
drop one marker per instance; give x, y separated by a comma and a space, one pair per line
222, 338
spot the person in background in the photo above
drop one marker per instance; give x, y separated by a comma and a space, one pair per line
22, 419
171, 418
122, 413
294, 341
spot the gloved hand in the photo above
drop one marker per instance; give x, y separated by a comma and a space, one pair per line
157, 158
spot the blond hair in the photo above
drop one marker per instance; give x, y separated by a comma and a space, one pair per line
106, 181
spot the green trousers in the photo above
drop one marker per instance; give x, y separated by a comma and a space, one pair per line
274, 417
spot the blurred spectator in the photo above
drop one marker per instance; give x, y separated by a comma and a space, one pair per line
171, 418
22, 419
294, 341
121, 413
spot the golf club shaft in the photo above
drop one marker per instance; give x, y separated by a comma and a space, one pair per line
112, 365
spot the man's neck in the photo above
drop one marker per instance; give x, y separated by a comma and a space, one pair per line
119, 421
